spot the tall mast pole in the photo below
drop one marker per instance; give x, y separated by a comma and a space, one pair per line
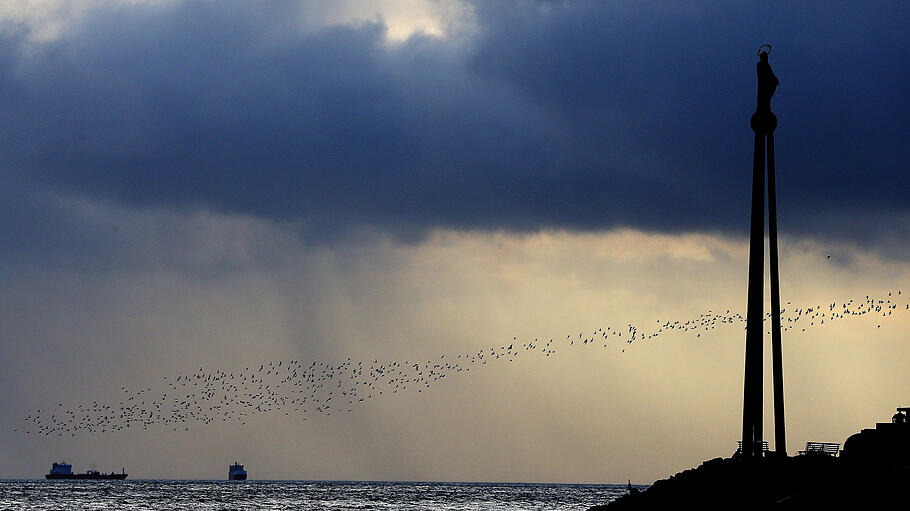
780, 435
752, 381
763, 123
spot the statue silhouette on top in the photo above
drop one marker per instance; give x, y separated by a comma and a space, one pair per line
763, 120
767, 82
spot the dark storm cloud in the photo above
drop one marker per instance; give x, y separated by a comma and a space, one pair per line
578, 116
673, 89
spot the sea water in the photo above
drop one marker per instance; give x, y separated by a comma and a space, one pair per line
304, 495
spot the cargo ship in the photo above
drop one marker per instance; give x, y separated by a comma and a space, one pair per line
236, 472
64, 470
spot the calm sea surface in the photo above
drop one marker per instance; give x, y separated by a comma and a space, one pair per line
224, 495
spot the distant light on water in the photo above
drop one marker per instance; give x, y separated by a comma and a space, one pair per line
412, 496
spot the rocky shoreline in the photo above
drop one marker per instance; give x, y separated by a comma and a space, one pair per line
800, 482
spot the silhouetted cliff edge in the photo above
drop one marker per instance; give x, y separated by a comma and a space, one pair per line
801, 482
872, 470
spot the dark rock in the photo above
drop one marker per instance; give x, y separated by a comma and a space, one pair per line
801, 482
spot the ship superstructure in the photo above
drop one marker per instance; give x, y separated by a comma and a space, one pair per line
61, 470
236, 472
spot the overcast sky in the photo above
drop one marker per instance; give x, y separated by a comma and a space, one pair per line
219, 184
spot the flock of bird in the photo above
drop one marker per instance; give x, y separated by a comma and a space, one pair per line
306, 389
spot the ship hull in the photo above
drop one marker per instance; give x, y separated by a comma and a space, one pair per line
237, 477
94, 477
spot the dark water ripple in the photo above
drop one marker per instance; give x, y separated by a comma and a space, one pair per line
303, 495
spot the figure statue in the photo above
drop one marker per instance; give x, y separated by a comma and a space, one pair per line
763, 120
767, 82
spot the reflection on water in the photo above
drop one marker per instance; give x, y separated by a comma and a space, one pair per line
308, 495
